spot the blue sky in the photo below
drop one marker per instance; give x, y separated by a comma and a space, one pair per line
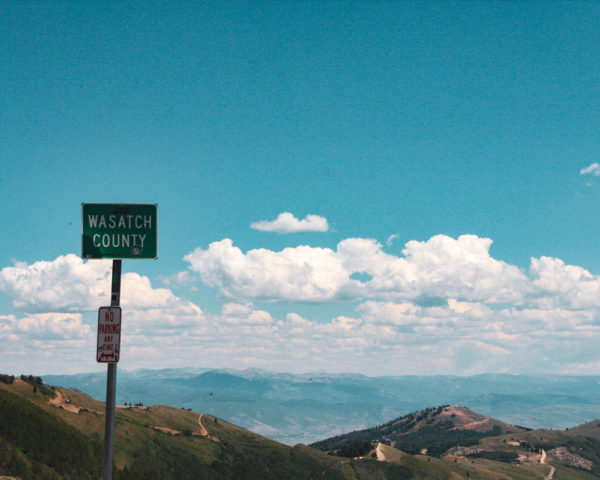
449, 148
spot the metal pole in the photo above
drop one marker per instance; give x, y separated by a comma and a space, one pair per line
111, 382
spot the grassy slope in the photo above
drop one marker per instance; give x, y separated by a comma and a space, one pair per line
590, 429
144, 453
426, 467
35, 444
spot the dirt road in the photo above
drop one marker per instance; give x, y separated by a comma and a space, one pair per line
550, 476
204, 432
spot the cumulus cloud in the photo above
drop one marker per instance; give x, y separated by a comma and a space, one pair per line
246, 314
300, 273
382, 337
441, 267
158, 322
463, 268
465, 337
444, 305
429, 272
557, 284
137, 293
592, 169
48, 326
288, 223
68, 284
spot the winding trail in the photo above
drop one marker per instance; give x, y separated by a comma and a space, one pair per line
167, 430
380, 454
204, 432
473, 424
60, 401
550, 476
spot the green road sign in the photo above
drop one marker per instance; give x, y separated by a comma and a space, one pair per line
119, 230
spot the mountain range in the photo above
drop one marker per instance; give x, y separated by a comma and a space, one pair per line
55, 433
304, 408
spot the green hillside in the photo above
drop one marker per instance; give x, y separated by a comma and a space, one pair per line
35, 444
57, 434
455, 440
434, 430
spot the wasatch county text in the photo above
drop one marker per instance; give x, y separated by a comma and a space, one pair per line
125, 222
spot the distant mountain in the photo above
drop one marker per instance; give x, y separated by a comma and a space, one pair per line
455, 433
305, 408
433, 431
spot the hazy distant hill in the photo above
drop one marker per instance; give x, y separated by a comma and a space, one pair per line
305, 408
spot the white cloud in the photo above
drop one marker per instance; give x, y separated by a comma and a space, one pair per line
593, 169
237, 314
48, 326
557, 284
160, 321
185, 279
463, 268
390, 313
301, 273
444, 305
137, 293
441, 267
384, 337
287, 223
68, 284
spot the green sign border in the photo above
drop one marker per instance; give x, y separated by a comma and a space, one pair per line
123, 230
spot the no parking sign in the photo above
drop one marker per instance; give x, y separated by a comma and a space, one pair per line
109, 335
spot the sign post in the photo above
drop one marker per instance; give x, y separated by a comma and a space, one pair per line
111, 380
117, 231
